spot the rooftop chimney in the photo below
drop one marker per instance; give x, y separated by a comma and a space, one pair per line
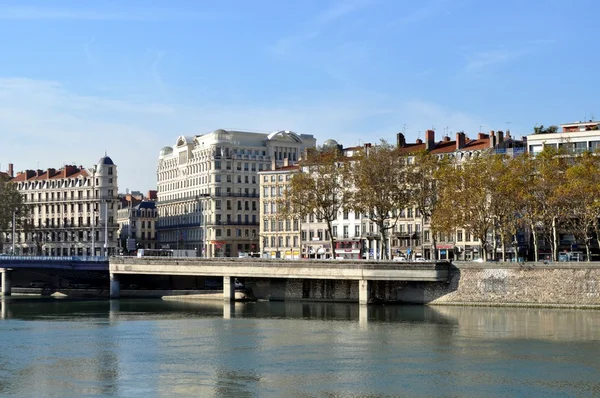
50, 173
482, 136
445, 138
492, 139
400, 140
500, 137
460, 140
419, 141
11, 171
429, 139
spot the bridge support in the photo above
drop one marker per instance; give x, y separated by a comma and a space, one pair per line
364, 291
6, 282
228, 288
115, 286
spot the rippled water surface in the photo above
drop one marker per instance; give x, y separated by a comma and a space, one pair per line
163, 348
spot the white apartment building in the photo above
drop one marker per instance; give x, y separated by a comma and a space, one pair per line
208, 188
573, 138
73, 211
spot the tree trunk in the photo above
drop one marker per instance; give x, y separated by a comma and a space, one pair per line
503, 243
482, 251
554, 243
535, 243
331, 240
382, 232
434, 242
588, 249
494, 244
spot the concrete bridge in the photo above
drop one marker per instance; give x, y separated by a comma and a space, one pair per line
48, 263
229, 268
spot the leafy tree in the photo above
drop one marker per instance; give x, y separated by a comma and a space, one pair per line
11, 201
380, 187
319, 188
422, 177
464, 200
582, 193
541, 130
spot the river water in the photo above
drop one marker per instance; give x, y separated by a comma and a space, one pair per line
148, 348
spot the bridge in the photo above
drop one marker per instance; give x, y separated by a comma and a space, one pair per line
230, 268
48, 263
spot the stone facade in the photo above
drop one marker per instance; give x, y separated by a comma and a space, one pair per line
73, 211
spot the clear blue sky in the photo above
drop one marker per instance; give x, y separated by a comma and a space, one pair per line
81, 77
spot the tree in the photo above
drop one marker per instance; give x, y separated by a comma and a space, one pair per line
582, 193
421, 175
11, 201
319, 188
542, 130
508, 195
464, 199
380, 188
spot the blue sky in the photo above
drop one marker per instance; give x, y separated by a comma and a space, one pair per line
81, 77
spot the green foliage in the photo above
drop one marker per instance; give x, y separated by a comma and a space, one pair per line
11, 201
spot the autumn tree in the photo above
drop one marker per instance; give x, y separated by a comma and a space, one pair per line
11, 202
582, 193
379, 187
319, 188
423, 171
464, 199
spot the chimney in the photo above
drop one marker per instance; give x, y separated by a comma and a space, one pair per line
429, 139
500, 137
286, 162
11, 171
273, 164
446, 138
460, 140
39, 172
492, 139
29, 174
400, 140
482, 136
419, 141
50, 173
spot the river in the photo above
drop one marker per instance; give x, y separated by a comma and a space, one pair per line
147, 348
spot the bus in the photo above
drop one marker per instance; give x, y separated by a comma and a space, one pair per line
166, 253
155, 253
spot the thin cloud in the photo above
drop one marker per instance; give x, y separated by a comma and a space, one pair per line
10, 12
340, 10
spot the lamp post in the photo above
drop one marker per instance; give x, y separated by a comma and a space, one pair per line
13, 231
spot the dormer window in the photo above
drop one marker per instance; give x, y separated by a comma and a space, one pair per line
110, 171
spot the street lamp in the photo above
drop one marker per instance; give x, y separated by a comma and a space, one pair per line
14, 230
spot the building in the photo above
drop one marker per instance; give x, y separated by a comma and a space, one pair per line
73, 210
137, 221
208, 188
573, 138
411, 236
279, 236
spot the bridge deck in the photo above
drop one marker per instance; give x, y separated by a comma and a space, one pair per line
276, 268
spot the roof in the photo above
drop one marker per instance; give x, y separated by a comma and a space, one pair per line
106, 161
145, 205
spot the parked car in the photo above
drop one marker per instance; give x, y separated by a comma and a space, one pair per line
399, 258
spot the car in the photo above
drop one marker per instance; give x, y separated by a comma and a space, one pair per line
38, 283
400, 258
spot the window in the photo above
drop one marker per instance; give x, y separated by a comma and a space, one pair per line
345, 214
266, 224
357, 230
217, 165
346, 232
459, 236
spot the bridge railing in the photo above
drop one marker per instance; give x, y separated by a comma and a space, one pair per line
95, 259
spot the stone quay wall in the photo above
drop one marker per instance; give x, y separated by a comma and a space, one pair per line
492, 284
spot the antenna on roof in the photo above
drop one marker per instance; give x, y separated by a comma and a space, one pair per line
105, 154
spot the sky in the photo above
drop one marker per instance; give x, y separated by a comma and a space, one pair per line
81, 78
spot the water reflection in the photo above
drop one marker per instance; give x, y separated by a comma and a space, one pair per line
212, 348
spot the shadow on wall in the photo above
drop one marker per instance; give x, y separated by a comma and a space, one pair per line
426, 292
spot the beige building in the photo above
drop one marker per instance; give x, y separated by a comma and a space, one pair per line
137, 226
280, 236
208, 188
73, 211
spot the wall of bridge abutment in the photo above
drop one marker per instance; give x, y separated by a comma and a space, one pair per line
6, 281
